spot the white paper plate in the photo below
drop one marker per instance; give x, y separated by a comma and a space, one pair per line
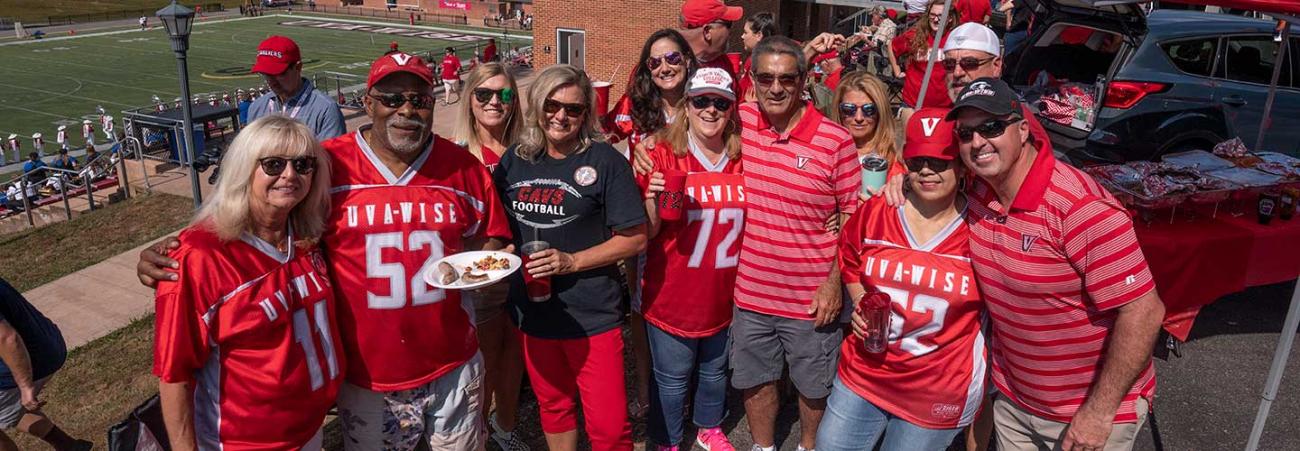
467, 259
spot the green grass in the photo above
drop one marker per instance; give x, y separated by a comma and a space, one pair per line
39, 10
47, 83
37, 256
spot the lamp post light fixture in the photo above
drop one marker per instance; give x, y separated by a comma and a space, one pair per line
178, 20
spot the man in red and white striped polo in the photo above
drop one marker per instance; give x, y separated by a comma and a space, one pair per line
800, 169
1073, 307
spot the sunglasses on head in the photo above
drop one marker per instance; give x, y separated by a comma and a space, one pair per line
935, 164
967, 63
570, 109
274, 166
393, 100
671, 58
484, 95
703, 102
990, 129
766, 79
850, 110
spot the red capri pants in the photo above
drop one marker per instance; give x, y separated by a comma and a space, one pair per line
591, 369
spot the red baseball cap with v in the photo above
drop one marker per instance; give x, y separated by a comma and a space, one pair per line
275, 55
393, 63
698, 13
930, 134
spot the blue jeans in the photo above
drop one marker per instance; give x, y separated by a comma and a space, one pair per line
853, 423
1013, 40
674, 361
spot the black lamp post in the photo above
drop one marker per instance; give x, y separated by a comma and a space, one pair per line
178, 20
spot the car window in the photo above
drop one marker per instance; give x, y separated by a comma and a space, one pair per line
1250, 59
1194, 56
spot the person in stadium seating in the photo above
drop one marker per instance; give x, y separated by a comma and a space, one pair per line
247, 348
31, 351
280, 64
653, 99
928, 381
65, 161
564, 186
34, 168
690, 270
909, 54
487, 125
414, 372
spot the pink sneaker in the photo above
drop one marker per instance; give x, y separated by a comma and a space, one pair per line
713, 439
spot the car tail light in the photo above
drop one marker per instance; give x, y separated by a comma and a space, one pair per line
1124, 94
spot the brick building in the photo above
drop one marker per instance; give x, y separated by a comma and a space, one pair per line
604, 36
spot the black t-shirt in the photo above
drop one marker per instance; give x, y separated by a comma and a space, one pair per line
44, 341
574, 204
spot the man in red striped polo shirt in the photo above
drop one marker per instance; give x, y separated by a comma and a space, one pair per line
800, 169
1074, 310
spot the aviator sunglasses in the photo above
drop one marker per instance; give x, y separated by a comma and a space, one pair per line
671, 58
967, 63
851, 110
274, 166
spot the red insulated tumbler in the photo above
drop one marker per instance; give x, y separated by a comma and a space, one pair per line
672, 200
539, 289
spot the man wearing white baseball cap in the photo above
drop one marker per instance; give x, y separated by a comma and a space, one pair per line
972, 51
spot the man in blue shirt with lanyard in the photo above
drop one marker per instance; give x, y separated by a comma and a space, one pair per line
280, 63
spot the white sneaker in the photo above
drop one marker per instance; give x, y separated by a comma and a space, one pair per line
507, 440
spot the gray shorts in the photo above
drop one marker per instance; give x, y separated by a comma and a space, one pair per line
11, 405
762, 345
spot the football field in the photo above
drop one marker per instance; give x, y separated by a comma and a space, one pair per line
61, 80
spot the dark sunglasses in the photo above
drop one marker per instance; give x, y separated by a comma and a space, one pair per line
916, 164
703, 102
967, 63
484, 95
766, 79
848, 110
274, 166
570, 109
990, 129
671, 58
418, 101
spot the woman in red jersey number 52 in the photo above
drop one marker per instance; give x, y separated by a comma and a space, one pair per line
928, 381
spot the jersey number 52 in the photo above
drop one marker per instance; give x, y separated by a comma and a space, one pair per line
395, 272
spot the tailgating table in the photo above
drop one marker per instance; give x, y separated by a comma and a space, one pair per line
1196, 261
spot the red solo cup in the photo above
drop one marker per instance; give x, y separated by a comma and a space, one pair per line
672, 200
538, 288
875, 310
602, 97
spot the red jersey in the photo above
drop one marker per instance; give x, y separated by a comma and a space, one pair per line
254, 330
937, 91
385, 231
932, 372
490, 159
450, 67
974, 10
619, 123
490, 53
690, 266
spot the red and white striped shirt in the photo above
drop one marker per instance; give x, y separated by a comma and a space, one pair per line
1054, 269
793, 182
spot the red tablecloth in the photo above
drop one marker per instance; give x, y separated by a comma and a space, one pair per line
1195, 262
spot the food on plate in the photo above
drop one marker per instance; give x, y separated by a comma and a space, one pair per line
472, 277
491, 263
449, 274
